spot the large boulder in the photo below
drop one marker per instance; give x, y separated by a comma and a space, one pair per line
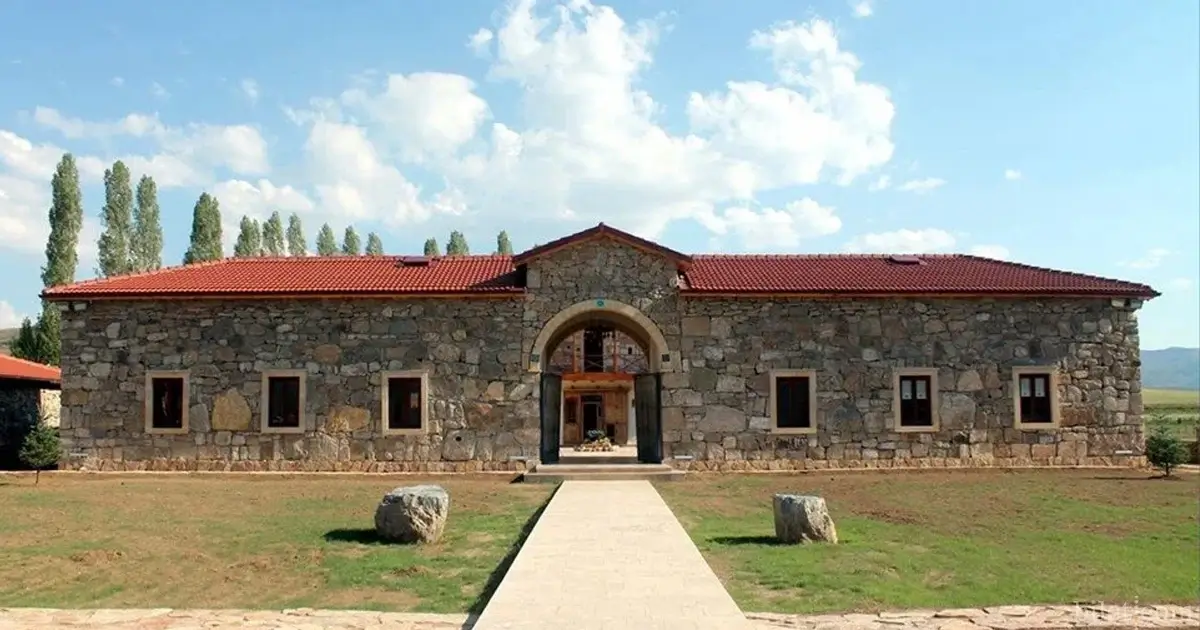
413, 514
802, 518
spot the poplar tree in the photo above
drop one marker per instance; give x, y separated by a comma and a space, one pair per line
351, 245
147, 241
431, 247
457, 245
326, 242
503, 245
66, 220
297, 245
114, 251
374, 245
249, 240
272, 236
205, 243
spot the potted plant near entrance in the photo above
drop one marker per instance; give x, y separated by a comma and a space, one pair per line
595, 440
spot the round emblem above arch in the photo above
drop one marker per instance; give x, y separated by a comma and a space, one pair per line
622, 316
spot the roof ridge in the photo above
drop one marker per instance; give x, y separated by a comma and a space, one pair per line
1077, 274
828, 255
139, 274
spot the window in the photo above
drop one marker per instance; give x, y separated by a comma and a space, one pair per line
283, 401
915, 399
1035, 398
166, 402
404, 402
793, 401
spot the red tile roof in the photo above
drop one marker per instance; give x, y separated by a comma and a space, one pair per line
883, 274
14, 368
853, 274
310, 276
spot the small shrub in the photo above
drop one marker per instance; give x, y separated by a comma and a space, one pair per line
41, 449
1165, 451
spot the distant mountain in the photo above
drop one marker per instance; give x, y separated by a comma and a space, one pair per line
7, 335
1171, 368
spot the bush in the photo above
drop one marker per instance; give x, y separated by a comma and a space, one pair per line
41, 449
1165, 451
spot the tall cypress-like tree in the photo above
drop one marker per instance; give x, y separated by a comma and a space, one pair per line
351, 244
66, 219
326, 241
374, 245
117, 217
457, 245
272, 236
205, 244
146, 244
297, 245
431, 247
503, 245
249, 240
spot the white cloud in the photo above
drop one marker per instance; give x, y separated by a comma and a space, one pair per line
159, 92
250, 90
1012, 174
480, 41
785, 227
1153, 258
116, 81
862, 8
883, 183
999, 252
186, 151
426, 114
9, 317
924, 241
921, 186
1180, 284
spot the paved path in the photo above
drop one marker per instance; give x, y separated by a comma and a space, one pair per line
610, 555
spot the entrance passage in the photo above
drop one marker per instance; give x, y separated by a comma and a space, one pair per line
609, 555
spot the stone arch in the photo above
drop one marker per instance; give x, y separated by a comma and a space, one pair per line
624, 317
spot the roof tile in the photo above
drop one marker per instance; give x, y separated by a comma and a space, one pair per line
12, 367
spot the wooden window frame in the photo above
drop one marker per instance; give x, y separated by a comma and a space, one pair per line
1052, 386
935, 399
148, 410
385, 377
265, 400
811, 375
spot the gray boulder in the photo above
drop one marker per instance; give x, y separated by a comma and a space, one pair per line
802, 518
413, 514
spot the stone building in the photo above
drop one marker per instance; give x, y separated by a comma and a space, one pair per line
748, 362
29, 393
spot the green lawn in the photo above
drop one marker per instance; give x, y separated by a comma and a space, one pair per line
249, 542
949, 539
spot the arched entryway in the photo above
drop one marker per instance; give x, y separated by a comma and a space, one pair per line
594, 383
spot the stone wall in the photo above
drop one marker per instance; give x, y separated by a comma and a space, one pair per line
481, 412
717, 406
19, 413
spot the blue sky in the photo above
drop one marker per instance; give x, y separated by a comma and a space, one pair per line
1062, 134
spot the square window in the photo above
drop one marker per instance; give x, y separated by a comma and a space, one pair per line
916, 399
283, 402
1035, 398
166, 402
793, 401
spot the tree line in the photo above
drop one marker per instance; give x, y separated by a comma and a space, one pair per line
131, 241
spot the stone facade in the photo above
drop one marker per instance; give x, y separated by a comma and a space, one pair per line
23, 404
483, 398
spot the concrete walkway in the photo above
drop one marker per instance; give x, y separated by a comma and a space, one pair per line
610, 555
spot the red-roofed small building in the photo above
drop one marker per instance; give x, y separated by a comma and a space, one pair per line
463, 363
29, 393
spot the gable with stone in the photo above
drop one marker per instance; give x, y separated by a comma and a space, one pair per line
722, 362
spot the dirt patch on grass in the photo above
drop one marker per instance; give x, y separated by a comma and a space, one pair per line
94, 557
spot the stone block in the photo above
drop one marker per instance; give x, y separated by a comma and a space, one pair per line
697, 326
230, 412
720, 418
803, 518
413, 514
344, 419
327, 354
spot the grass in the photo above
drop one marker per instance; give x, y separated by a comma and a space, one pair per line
1177, 409
950, 539
246, 542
